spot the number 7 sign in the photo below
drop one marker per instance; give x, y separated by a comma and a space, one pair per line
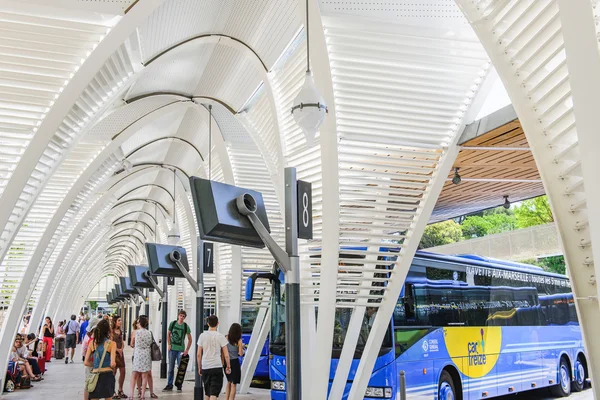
208, 258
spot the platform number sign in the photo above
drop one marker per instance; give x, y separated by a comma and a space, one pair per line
171, 280
209, 262
305, 226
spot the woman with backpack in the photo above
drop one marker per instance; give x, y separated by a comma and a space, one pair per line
103, 351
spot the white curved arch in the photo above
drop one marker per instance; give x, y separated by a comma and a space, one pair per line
68, 277
266, 78
65, 101
219, 148
59, 215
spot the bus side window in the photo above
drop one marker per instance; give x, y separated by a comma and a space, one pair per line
409, 302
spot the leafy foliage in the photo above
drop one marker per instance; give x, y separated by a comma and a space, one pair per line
555, 264
445, 232
534, 212
476, 226
488, 222
93, 304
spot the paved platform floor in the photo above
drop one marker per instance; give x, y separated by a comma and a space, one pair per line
65, 381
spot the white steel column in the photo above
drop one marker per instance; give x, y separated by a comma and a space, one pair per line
235, 299
409, 248
539, 85
316, 369
260, 331
583, 62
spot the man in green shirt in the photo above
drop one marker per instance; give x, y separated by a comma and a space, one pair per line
178, 330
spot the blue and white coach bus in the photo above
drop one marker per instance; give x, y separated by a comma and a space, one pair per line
464, 328
262, 368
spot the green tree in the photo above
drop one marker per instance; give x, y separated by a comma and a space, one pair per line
554, 264
93, 305
445, 232
488, 224
533, 212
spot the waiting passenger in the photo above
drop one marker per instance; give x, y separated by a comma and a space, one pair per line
235, 347
72, 334
211, 344
22, 359
101, 347
48, 334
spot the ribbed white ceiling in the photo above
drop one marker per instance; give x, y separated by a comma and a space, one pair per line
267, 25
177, 72
230, 77
423, 13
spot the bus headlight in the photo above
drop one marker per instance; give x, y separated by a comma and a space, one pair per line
379, 392
278, 385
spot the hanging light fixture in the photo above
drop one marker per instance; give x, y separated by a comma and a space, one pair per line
174, 236
456, 179
506, 202
309, 108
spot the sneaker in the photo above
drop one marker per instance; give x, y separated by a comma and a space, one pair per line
66, 360
72, 361
179, 388
168, 388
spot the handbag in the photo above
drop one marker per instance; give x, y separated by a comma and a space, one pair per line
155, 353
91, 381
25, 383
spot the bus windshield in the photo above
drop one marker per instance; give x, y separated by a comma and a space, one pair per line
248, 320
342, 321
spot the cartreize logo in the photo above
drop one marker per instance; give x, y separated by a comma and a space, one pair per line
476, 351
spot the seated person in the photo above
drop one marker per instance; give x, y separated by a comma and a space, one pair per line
32, 343
23, 354
23, 364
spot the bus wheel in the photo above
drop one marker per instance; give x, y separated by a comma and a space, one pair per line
446, 389
563, 389
579, 381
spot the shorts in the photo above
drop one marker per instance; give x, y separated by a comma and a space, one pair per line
71, 341
212, 379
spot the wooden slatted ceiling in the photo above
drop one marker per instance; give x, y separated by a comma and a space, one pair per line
469, 197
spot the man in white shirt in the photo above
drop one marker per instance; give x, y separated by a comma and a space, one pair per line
211, 344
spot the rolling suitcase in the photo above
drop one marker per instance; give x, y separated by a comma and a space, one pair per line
59, 348
42, 364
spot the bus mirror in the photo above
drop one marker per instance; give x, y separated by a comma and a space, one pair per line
250, 286
251, 281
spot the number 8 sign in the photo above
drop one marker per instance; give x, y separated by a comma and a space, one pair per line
305, 230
